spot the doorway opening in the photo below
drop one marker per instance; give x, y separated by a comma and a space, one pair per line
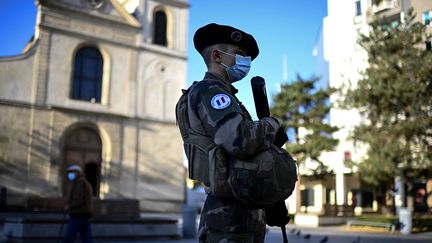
83, 147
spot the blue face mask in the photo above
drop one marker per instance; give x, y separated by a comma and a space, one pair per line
240, 69
71, 176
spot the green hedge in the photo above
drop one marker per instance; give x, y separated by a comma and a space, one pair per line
377, 218
422, 223
419, 224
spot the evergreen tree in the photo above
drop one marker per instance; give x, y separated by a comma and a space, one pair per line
302, 109
394, 96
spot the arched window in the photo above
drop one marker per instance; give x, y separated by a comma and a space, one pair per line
87, 75
160, 28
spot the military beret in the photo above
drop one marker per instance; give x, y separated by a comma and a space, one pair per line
217, 34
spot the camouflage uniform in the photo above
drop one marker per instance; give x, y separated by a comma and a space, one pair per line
215, 113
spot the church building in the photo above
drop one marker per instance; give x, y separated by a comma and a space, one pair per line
96, 86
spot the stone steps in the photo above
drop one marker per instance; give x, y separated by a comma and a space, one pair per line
22, 227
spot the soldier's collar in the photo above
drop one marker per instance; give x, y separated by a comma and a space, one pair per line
219, 78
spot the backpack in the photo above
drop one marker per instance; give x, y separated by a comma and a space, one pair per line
264, 179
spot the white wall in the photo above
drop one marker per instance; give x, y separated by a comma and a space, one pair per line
346, 59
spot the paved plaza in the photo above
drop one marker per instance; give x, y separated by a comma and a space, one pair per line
329, 234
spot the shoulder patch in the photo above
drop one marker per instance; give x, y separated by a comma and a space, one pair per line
212, 102
220, 101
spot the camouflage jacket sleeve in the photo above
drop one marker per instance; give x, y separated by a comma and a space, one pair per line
224, 120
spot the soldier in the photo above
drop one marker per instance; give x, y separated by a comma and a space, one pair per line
216, 127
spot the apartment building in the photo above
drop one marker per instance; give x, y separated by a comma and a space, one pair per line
341, 61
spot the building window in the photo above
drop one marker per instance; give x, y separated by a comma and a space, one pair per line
428, 45
358, 8
427, 17
307, 197
367, 198
394, 24
160, 28
330, 196
87, 75
347, 156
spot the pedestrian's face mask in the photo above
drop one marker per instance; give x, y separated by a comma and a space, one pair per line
71, 176
240, 69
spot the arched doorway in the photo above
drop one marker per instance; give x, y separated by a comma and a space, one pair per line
83, 146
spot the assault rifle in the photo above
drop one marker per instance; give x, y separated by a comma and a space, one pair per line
277, 215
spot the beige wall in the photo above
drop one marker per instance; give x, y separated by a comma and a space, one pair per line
16, 76
420, 6
160, 81
140, 159
116, 83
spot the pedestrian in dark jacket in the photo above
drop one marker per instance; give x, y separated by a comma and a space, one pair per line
79, 206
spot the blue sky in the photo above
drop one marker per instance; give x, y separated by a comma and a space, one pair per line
281, 27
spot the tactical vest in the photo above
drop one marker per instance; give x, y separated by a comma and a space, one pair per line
206, 161
259, 181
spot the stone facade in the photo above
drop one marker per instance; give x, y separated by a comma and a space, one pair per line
130, 135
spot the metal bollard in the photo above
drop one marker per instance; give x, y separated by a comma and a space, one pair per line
189, 221
405, 217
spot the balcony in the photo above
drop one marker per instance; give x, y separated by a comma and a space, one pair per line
389, 9
384, 5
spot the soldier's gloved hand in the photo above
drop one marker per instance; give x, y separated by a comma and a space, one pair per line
281, 137
272, 121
